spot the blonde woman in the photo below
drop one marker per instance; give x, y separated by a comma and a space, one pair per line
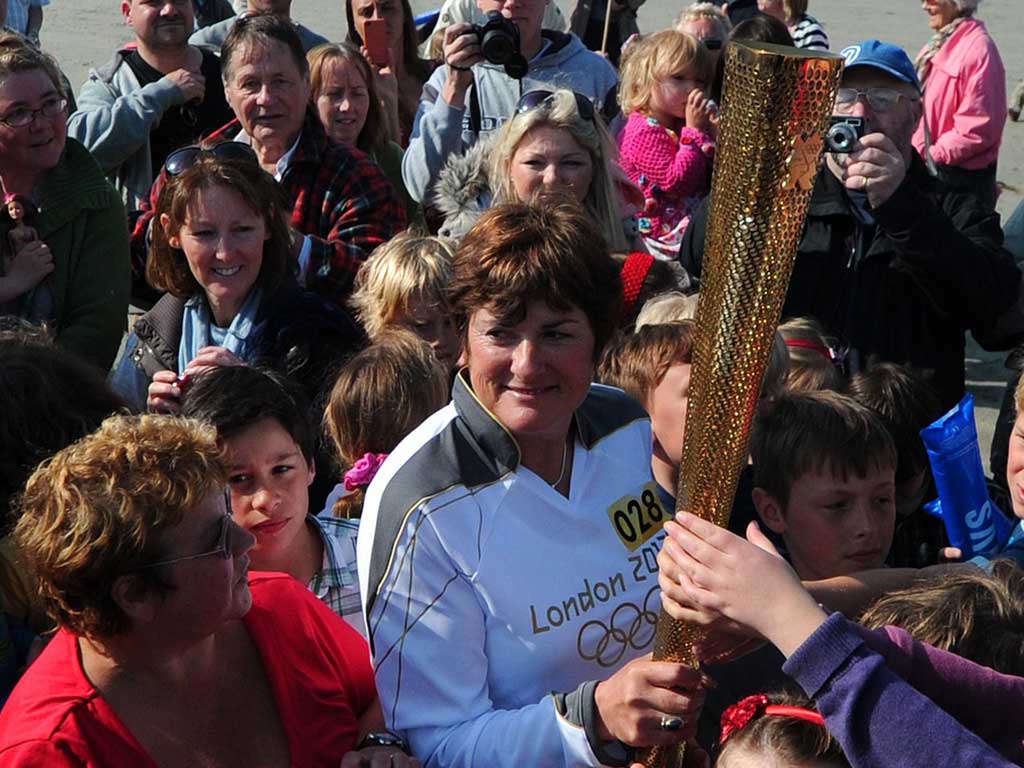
554, 146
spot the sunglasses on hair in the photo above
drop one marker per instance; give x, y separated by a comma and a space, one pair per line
712, 43
182, 159
534, 99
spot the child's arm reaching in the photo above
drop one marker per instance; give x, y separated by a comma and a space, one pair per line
872, 713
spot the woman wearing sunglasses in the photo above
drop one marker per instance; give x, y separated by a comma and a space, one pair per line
72, 272
169, 651
554, 146
221, 249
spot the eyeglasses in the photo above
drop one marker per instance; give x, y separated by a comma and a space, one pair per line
534, 99
223, 549
23, 117
182, 159
879, 99
712, 43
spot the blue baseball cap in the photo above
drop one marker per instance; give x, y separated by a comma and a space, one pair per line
887, 57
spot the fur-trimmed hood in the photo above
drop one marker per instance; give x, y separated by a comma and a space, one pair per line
463, 189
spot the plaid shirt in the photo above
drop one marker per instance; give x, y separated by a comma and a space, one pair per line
337, 582
339, 197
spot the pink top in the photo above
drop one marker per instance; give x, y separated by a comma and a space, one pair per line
674, 173
965, 100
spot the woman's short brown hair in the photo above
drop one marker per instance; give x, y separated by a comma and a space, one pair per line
168, 270
517, 253
373, 137
94, 512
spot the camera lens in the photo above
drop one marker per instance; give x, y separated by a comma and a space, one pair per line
841, 138
497, 46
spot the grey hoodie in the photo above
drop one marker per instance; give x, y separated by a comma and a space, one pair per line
114, 118
440, 130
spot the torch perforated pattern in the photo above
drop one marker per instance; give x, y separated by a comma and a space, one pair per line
776, 107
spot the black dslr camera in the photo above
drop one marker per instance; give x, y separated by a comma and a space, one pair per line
844, 133
499, 44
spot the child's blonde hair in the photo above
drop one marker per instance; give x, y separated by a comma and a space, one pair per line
654, 57
810, 358
670, 307
406, 268
380, 396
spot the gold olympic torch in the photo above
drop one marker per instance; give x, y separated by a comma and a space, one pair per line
775, 111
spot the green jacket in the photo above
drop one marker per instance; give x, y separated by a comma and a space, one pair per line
82, 219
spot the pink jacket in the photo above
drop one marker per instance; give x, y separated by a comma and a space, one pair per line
965, 100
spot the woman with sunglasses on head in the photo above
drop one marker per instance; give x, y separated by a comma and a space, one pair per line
169, 651
554, 146
340, 204
220, 250
73, 273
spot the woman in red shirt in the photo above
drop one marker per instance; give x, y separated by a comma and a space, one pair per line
169, 652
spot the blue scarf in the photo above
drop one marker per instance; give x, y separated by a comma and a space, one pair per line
198, 330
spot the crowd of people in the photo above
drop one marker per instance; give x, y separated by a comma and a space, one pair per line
346, 383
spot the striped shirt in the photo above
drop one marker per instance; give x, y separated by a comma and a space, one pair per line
337, 583
808, 33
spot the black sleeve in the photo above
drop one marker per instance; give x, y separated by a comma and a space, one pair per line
952, 247
691, 251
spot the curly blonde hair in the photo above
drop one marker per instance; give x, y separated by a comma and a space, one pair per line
656, 56
95, 510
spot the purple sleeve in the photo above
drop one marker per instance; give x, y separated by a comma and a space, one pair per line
878, 718
983, 700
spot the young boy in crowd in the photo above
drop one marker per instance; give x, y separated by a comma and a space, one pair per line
824, 469
653, 367
264, 426
906, 404
824, 479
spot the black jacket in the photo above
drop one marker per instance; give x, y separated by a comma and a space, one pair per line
932, 268
300, 334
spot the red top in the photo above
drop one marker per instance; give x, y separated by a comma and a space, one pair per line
317, 665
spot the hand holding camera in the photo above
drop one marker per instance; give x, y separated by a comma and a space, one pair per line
496, 41
876, 167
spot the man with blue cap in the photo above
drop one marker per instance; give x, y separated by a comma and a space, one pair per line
895, 264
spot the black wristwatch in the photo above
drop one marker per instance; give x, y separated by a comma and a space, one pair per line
383, 739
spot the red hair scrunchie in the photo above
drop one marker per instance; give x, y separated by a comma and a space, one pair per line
738, 716
634, 272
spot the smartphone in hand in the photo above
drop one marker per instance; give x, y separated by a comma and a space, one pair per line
375, 38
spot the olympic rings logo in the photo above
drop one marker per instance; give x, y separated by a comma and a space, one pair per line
631, 626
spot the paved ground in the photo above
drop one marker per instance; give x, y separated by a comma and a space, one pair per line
83, 33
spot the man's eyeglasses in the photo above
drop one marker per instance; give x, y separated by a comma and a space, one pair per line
23, 117
540, 98
182, 159
879, 99
223, 549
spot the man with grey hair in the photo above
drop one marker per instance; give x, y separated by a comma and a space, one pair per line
894, 264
